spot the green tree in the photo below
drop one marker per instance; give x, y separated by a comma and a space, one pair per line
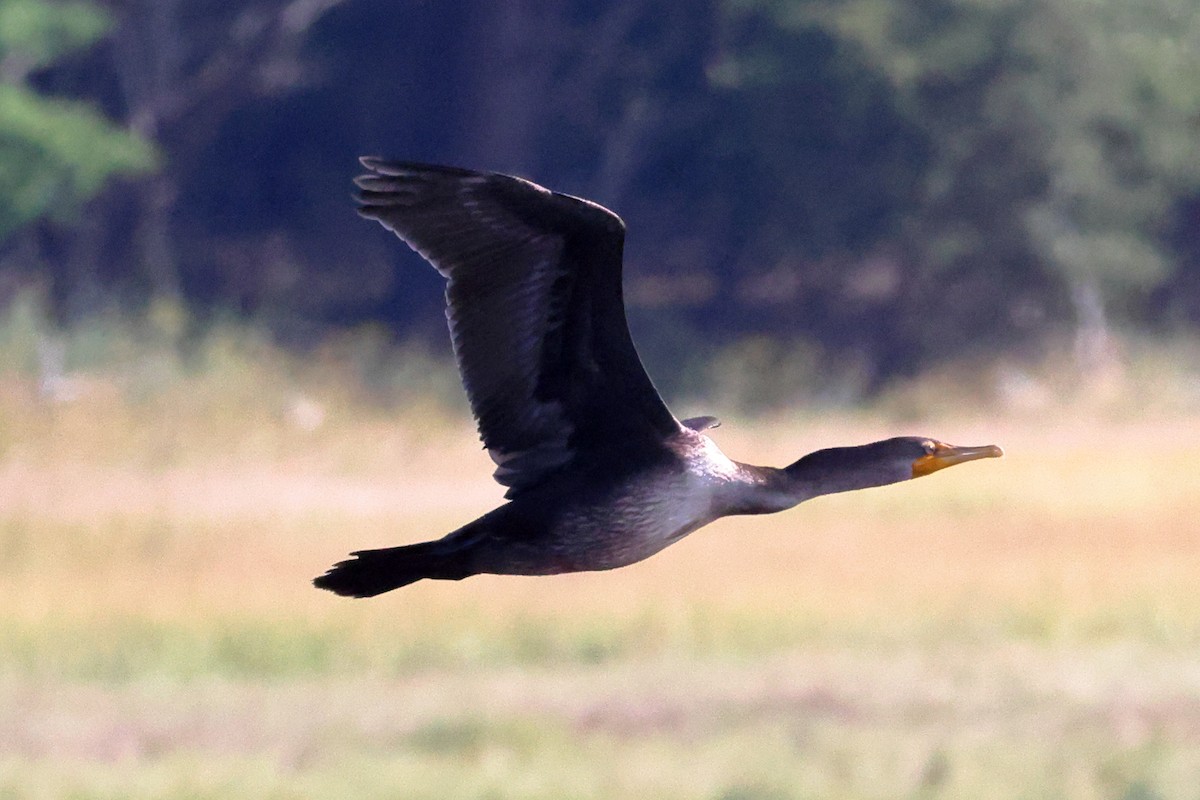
871, 221
54, 153
1067, 128
1061, 136
1123, 146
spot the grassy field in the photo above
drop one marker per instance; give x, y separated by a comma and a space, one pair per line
1023, 628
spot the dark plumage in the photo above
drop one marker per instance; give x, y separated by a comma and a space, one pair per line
600, 474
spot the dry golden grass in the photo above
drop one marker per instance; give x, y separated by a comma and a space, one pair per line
1081, 516
1016, 628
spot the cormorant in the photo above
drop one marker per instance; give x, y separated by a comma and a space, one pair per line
600, 474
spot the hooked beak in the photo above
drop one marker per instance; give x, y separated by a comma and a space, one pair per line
947, 455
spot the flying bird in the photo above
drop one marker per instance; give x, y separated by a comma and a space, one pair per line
599, 473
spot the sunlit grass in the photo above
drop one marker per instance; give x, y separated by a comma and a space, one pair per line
1028, 627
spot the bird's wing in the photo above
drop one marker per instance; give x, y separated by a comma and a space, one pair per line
536, 316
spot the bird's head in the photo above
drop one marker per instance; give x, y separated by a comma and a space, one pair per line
842, 469
929, 455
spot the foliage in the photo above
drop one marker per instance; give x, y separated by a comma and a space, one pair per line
35, 33
1059, 136
54, 153
884, 184
1083, 112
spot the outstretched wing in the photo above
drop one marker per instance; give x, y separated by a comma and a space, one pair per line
536, 316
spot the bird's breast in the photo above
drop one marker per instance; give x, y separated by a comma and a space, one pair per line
648, 512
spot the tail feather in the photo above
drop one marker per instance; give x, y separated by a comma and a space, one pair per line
372, 572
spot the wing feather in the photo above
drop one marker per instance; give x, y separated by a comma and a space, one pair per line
534, 305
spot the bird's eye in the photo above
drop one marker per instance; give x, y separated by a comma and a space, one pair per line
930, 447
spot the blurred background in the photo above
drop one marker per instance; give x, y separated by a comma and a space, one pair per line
847, 219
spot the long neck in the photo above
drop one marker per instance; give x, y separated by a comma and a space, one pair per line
762, 490
840, 469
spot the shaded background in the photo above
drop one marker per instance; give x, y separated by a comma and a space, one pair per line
972, 219
882, 184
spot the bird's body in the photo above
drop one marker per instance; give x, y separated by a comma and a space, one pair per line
608, 517
600, 473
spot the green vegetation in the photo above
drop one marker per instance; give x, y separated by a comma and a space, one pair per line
54, 154
1012, 167
875, 187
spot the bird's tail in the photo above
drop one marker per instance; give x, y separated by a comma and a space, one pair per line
372, 572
